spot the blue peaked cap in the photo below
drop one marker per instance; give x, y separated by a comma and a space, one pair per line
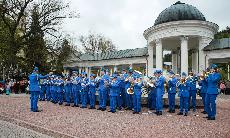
183, 74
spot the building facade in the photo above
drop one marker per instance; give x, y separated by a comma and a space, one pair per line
180, 28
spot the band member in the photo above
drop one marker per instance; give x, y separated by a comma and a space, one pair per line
192, 79
52, 89
172, 91
35, 89
84, 90
43, 89
152, 94
119, 97
129, 97
182, 85
159, 91
203, 90
138, 83
76, 87
68, 89
123, 76
212, 80
60, 84
114, 90
92, 91
103, 89
48, 94
55, 100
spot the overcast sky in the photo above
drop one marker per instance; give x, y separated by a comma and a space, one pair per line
124, 21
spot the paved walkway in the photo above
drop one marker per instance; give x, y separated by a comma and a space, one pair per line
9, 130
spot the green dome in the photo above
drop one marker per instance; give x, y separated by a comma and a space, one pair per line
179, 11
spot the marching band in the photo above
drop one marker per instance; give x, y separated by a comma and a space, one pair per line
126, 89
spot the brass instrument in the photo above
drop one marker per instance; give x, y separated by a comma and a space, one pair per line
181, 81
130, 89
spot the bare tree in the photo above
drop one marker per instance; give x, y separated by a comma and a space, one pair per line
95, 43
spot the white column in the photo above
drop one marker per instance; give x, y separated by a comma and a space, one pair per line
150, 60
174, 61
80, 70
203, 42
159, 54
195, 61
228, 71
115, 68
184, 54
89, 71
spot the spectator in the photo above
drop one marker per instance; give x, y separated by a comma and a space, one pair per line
222, 87
8, 87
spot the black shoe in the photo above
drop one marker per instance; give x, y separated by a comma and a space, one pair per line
110, 111
119, 108
103, 109
204, 112
67, 104
37, 111
113, 111
137, 112
156, 112
77, 106
40, 99
170, 111
173, 111
99, 108
134, 112
160, 113
73, 105
206, 117
211, 118
60, 103
180, 113
186, 114
83, 107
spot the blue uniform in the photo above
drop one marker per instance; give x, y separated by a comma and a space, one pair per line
68, 89
35, 90
129, 97
159, 93
103, 91
84, 92
212, 92
52, 90
43, 90
60, 84
92, 92
184, 95
55, 93
192, 91
122, 87
171, 93
137, 96
203, 92
152, 98
119, 97
76, 87
48, 94
114, 90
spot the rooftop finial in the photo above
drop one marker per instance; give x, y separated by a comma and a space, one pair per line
178, 2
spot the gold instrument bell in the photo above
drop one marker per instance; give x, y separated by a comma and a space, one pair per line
130, 89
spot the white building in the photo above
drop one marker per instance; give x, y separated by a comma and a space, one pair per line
180, 28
